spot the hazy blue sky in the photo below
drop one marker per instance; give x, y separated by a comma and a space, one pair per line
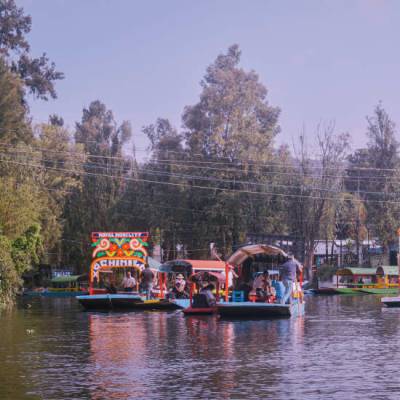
321, 60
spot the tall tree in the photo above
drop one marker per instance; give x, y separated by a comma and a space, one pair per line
233, 124
90, 207
373, 173
38, 74
316, 188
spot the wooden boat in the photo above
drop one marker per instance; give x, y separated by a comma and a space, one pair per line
239, 307
348, 290
122, 301
326, 291
379, 291
198, 304
62, 286
249, 309
391, 301
199, 310
352, 280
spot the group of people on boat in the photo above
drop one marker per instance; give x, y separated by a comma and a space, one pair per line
131, 284
263, 288
146, 282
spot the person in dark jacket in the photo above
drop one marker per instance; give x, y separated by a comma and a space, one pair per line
147, 281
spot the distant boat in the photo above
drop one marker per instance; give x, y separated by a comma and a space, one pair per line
62, 286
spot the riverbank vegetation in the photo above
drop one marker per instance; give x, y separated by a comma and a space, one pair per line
216, 179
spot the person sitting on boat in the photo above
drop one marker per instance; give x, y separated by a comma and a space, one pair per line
147, 281
263, 287
129, 282
288, 272
231, 275
180, 286
207, 291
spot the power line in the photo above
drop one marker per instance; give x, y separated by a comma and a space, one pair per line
230, 181
184, 161
213, 188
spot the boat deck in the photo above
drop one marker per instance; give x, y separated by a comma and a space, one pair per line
259, 310
124, 302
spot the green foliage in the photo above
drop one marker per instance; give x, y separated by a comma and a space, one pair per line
9, 278
374, 171
38, 74
14, 126
26, 249
326, 272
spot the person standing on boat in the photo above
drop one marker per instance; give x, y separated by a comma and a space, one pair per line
129, 282
147, 281
287, 273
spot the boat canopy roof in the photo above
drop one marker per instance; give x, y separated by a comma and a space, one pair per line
240, 255
193, 266
387, 270
208, 275
356, 271
66, 278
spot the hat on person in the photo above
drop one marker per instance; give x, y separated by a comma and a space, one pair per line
180, 276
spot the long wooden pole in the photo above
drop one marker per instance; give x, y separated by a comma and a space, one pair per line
227, 282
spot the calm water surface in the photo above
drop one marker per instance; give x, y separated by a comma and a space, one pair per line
344, 348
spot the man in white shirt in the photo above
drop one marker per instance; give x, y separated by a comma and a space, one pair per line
129, 282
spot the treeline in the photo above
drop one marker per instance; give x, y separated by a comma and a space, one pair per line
216, 179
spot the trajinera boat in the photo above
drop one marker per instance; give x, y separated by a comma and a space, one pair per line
62, 286
114, 253
361, 280
244, 301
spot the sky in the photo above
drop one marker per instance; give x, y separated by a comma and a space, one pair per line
321, 61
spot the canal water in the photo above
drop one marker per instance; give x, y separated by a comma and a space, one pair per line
345, 347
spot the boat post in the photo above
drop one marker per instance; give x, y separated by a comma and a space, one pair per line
226, 282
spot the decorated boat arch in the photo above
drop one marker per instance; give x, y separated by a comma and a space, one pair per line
117, 250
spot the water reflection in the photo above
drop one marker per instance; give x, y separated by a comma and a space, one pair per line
344, 347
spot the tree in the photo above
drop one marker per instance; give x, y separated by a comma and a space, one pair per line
14, 126
90, 207
233, 119
167, 203
317, 186
373, 173
232, 129
38, 74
